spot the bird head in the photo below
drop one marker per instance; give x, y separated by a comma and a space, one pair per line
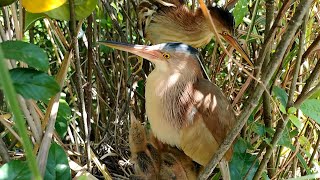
223, 20
225, 26
167, 57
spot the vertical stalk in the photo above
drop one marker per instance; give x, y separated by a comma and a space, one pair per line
75, 46
11, 95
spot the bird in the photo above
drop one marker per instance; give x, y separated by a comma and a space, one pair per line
162, 21
185, 110
152, 161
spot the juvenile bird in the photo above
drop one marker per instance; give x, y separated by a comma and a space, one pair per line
154, 162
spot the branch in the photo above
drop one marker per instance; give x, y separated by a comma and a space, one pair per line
282, 123
266, 76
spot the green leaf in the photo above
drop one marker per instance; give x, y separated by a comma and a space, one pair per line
281, 95
282, 109
240, 11
259, 128
57, 164
64, 114
242, 162
311, 108
295, 120
33, 84
15, 170
31, 54
315, 95
83, 8
292, 110
285, 139
304, 163
30, 18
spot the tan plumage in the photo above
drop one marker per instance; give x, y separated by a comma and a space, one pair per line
184, 109
175, 22
162, 21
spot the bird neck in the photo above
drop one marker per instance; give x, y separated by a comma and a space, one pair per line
174, 92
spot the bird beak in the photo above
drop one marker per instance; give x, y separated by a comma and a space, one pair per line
234, 43
151, 53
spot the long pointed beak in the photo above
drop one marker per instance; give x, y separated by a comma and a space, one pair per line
151, 53
234, 43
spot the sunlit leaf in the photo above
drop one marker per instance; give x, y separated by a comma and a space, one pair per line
292, 110
33, 84
240, 11
31, 54
311, 108
83, 8
39, 6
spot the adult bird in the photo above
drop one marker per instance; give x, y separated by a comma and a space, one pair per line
184, 109
162, 21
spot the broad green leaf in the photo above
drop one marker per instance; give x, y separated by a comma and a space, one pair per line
39, 6
6, 2
83, 8
295, 120
33, 84
57, 164
285, 139
30, 18
64, 114
240, 11
311, 108
259, 128
15, 170
282, 109
281, 95
242, 162
31, 54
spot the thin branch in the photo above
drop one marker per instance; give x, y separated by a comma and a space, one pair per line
268, 39
252, 102
282, 123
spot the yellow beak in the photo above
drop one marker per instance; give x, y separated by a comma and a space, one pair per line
151, 53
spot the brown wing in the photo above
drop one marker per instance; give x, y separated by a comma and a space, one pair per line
207, 123
215, 110
148, 8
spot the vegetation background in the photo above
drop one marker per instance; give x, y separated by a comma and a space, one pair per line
69, 118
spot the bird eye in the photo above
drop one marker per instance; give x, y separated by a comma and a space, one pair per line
166, 55
224, 33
